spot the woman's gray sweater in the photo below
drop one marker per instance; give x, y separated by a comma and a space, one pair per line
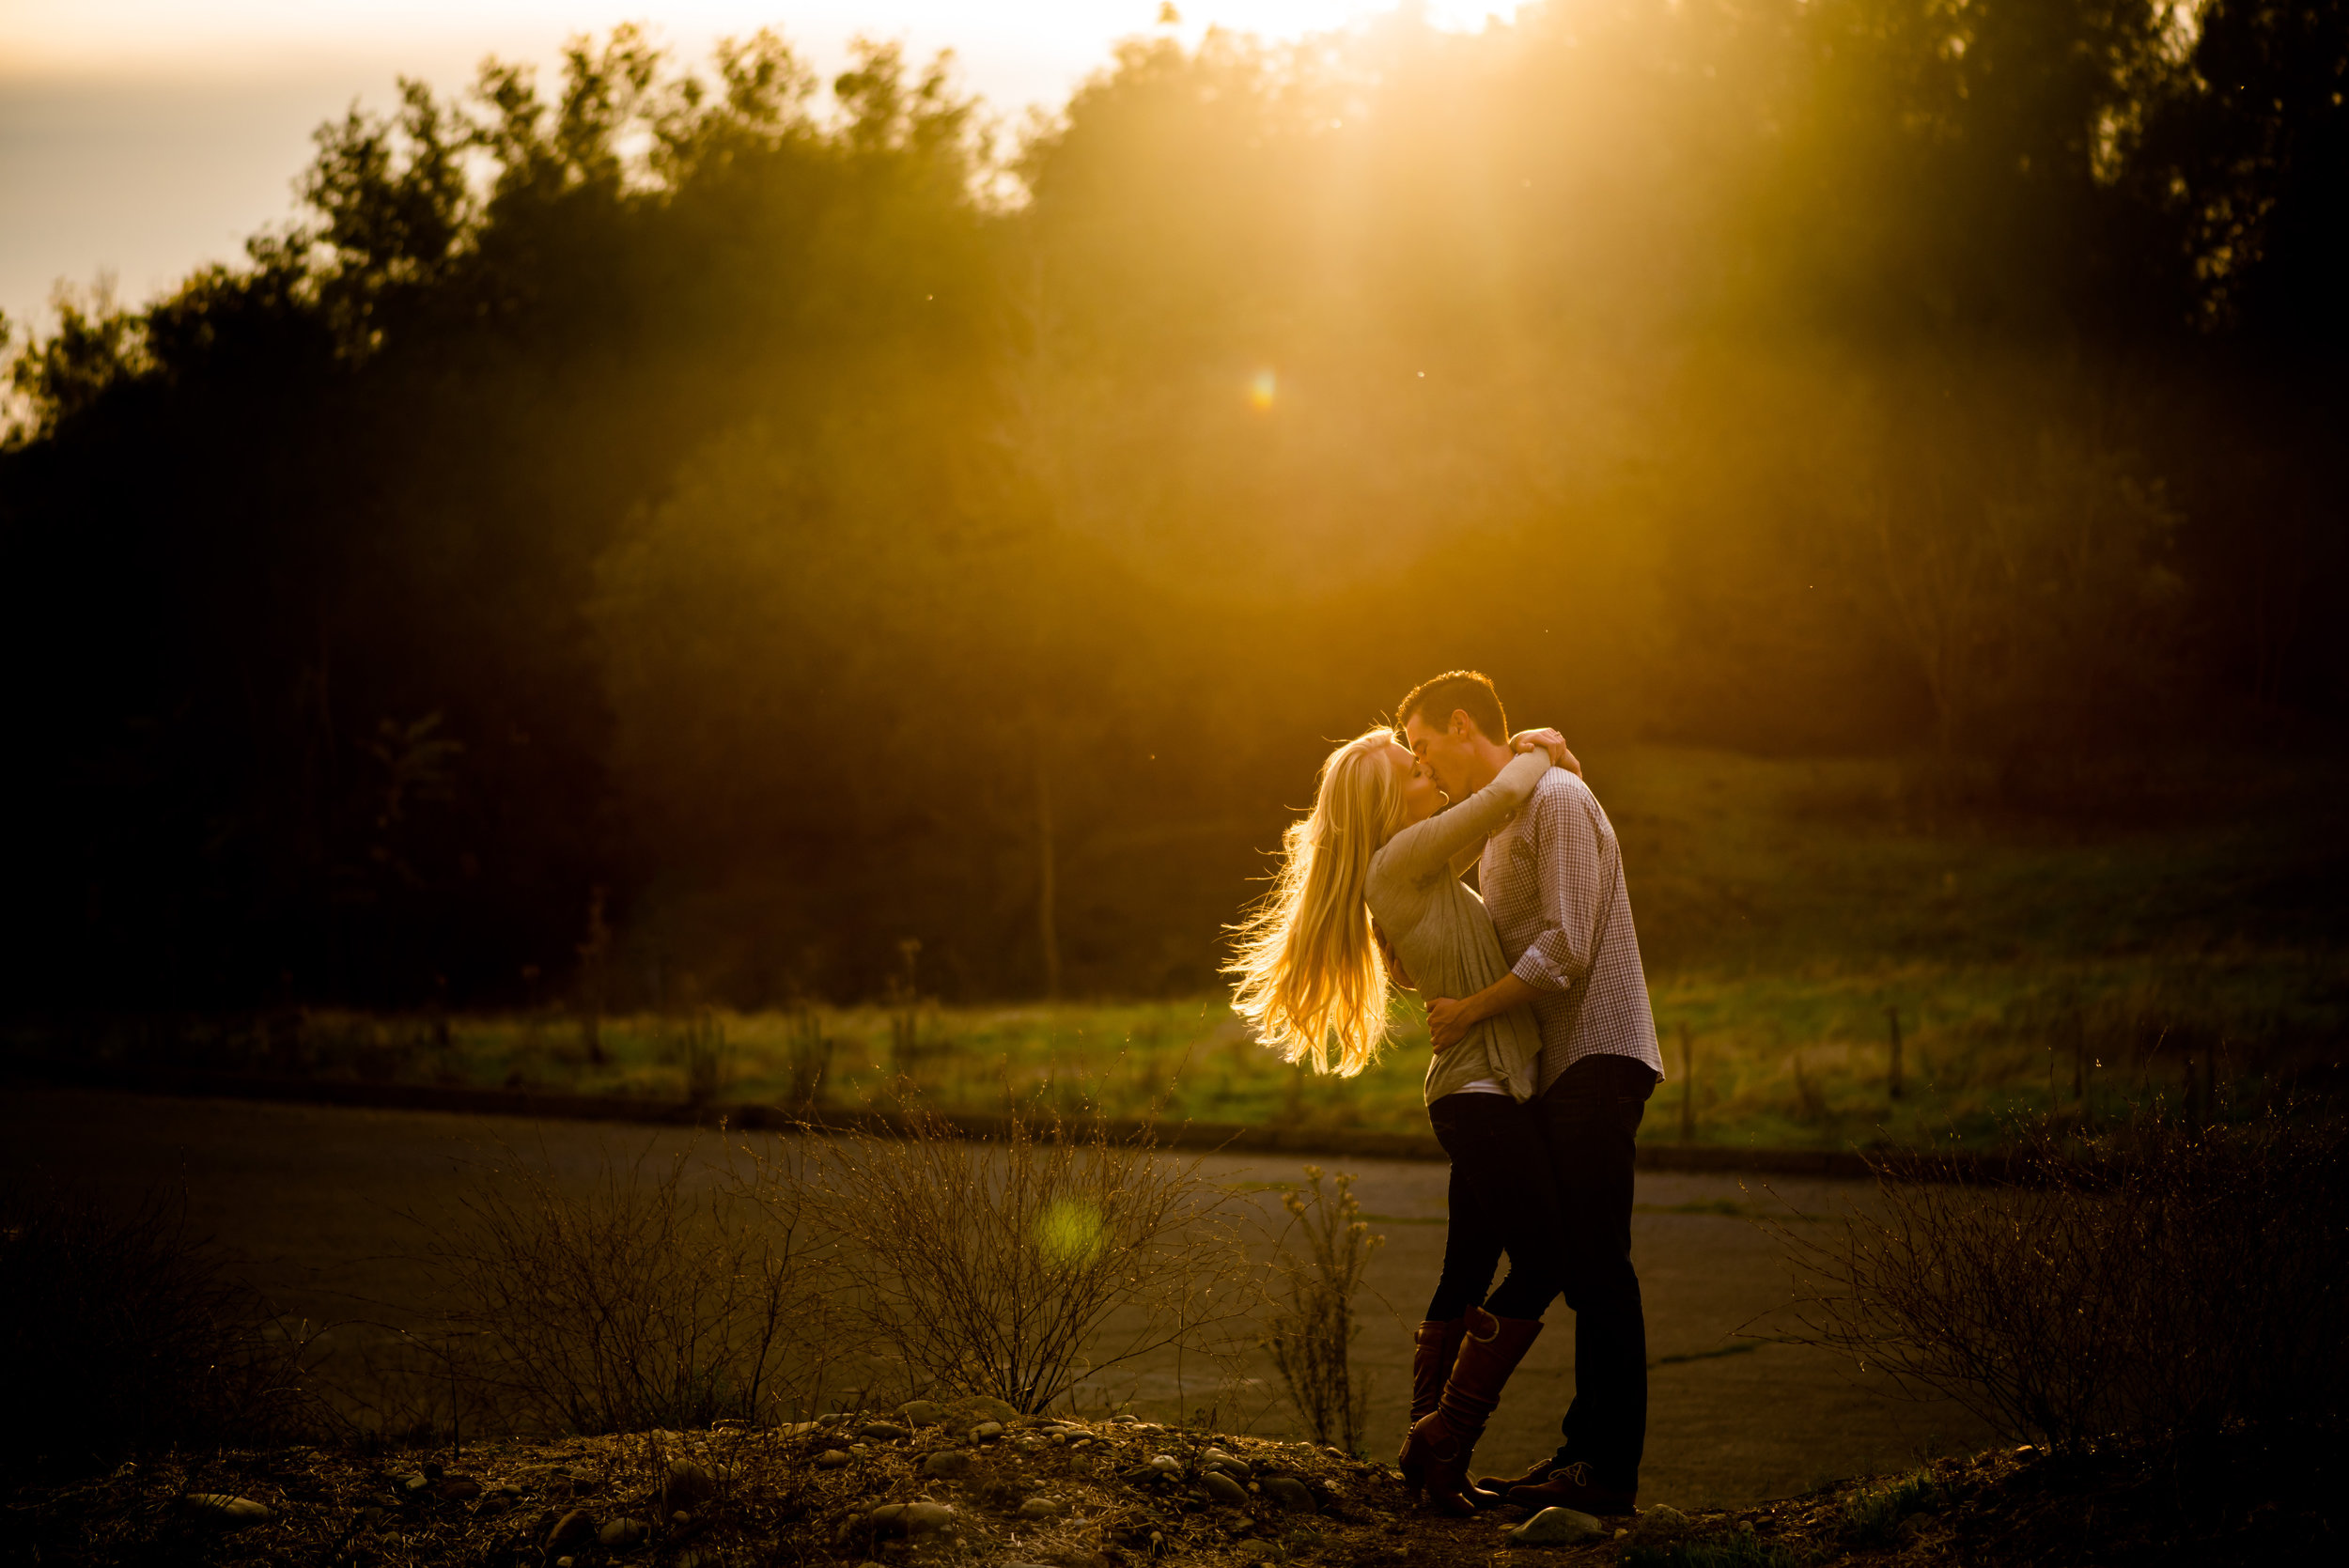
1439, 930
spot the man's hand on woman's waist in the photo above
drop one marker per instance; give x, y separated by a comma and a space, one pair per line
1448, 1021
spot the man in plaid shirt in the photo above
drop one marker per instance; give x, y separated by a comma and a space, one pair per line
1552, 882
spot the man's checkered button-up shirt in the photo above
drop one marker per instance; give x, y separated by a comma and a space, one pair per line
1546, 877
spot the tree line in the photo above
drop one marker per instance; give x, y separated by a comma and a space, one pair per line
791, 518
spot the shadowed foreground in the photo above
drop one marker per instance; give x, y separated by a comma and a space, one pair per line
311, 1200
943, 1485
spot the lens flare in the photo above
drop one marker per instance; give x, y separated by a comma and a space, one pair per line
1262, 387
1070, 1232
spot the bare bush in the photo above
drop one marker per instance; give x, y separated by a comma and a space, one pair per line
656, 1296
2158, 1282
1016, 1264
121, 1332
1313, 1328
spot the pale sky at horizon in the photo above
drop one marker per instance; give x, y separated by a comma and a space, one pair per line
142, 138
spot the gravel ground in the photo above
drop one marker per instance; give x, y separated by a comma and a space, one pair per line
1030, 1492
990, 1495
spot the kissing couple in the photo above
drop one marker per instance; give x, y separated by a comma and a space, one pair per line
1544, 1059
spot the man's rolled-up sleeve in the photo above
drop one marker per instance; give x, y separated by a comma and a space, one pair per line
1566, 870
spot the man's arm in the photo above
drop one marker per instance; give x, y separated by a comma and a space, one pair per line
1448, 1021
1566, 869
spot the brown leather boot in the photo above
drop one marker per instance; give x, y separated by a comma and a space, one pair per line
1436, 1455
1434, 1346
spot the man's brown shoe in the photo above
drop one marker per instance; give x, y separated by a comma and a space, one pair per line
1574, 1486
1535, 1473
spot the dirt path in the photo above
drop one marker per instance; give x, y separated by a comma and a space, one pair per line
312, 1199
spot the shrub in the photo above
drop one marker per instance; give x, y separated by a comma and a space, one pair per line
1013, 1265
1312, 1329
2161, 1283
658, 1296
120, 1333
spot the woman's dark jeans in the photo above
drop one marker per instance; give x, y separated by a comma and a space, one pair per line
1503, 1198
1589, 1117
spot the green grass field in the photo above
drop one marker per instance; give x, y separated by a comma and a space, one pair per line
1786, 910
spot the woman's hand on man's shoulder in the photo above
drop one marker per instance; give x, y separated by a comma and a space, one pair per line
1550, 742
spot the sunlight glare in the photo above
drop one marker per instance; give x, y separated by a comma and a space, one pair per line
96, 35
1261, 388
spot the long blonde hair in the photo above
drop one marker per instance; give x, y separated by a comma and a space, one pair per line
1310, 973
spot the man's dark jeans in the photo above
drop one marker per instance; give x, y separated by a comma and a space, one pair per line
1589, 1117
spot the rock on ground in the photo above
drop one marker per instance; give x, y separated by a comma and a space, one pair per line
571, 1529
1291, 1494
1660, 1521
968, 1411
1557, 1527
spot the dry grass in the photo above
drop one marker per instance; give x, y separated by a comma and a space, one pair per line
656, 1297
121, 1332
1015, 1266
806, 1272
1311, 1329
2164, 1282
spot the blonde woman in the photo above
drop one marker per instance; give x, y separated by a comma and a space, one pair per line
1369, 890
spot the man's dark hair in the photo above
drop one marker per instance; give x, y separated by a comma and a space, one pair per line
1468, 691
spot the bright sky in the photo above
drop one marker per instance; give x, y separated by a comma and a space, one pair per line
142, 137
